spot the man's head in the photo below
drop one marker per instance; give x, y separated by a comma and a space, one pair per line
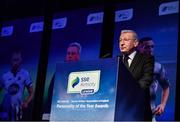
140, 47
147, 46
73, 52
16, 60
128, 41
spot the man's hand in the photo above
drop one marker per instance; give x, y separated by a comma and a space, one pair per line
28, 99
159, 109
24, 104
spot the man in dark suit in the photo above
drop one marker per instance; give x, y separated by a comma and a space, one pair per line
140, 66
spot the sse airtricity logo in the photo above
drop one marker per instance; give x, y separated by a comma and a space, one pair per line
75, 82
84, 82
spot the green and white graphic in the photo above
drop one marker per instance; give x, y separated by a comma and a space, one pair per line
84, 82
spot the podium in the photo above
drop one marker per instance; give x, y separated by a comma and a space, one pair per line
96, 90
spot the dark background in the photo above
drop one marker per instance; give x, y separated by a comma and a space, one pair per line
19, 9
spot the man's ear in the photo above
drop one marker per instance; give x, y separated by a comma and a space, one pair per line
136, 43
78, 57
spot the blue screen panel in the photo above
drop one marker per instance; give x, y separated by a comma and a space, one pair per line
24, 35
86, 29
159, 21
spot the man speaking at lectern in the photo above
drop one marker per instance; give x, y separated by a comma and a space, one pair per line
139, 65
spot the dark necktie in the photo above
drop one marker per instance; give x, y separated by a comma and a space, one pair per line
125, 60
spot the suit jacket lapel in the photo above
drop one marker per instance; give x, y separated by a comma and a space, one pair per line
135, 61
120, 57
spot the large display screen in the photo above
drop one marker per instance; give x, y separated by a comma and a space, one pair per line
158, 20
19, 36
84, 29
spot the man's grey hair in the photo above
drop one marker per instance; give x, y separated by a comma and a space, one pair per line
130, 31
75, 44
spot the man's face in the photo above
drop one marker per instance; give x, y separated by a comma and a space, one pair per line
72, 54
127, 42
16, 60
148, 47
140, 47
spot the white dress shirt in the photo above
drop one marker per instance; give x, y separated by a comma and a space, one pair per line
131, 57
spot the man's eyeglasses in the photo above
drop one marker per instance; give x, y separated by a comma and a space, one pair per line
126, 40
